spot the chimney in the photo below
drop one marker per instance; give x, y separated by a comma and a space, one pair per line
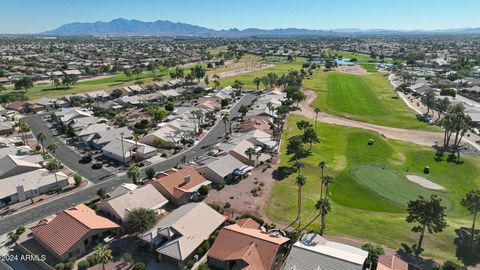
186, 179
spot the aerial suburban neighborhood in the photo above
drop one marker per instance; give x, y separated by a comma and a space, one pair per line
158, 144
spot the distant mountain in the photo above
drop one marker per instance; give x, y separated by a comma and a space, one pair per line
124, 27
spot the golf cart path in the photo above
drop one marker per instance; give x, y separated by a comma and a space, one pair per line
415, 136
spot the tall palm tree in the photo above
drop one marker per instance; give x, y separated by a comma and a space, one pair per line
250, 152
301, 181
53, 166
122, 135
322, 165
133, 173
257, 82
298, 165
23, 127
327, 181
52, 147
317, 111
41, 138
103, 254
225, 120
324, 206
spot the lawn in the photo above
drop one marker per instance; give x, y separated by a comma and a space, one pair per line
370, 67
118, 80
368, 98
360, 57
371, 189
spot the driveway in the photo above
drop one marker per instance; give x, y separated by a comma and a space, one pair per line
64, 153
109, 183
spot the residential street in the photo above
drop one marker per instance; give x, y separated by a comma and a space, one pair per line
108, 182
64, 153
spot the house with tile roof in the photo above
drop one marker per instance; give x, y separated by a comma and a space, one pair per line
254, 248
72, 232
313, 252
118, 208
177, 236
180, 186
391, 262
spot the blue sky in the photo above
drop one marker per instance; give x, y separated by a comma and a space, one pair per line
33, 16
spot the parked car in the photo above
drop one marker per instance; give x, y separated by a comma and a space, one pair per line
97, 165
86, 159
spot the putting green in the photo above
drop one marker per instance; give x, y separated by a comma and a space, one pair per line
393, 186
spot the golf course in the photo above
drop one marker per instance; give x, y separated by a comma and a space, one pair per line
369, 98
370, 190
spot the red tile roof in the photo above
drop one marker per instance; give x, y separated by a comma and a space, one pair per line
174, 181
68, 227
252, 246
391, 262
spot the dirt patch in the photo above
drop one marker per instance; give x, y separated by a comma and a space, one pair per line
354, 70
236, 72
424, 182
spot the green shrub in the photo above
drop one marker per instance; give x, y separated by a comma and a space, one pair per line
91, 260
139, 266
59, 266
83, 265
203, 190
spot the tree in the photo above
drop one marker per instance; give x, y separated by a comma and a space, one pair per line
206, 80
295, 147
24, 128
128, 73
103, 254
53, 166
324, 206
225, 120
374, 252
150, 172
52, 147
429, 99
237, 85
23, 84
250, 152
169, 107
77, 178
310, 136
301, 181
441, 106
102, 194
139, 266
140, 220
41, 138
133, 173
69, 79
216, 84
472, 203
298, 96
426, 215
203, 190
302, 125
257, 82
317, 111
243, 110
323, 166
327, 180
467, 245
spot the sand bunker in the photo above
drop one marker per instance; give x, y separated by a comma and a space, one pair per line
354, 70
424, 182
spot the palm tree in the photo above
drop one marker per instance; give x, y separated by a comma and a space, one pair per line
250, 152
52, 147
327, 181
301, 181
133, 173
324, 206
257, 82
298, 165
103, 254
41, 138
322, 165
53, 166
317, 111
23, 129
123, 151
225, 120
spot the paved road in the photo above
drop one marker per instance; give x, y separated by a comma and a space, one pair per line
51, 207
64, 153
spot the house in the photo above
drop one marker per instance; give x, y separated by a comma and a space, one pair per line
220, 169
391, 262
419, 89
165, 137
65, 115
177, 236
252, 122
73, 232
11, 165
238, 149
101, 138
117, 208
4, 80
122, 189
49, 103
92, 129
6, 128
24, 186
83, 122
18, 106
72, 72
179, 186
245, 246
124, 150
313, 252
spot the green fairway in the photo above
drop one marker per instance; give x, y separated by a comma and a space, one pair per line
370, 67
368, 98
369, 201
360, 57
118, 80
392, 186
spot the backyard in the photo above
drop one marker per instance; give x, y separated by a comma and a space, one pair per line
371, 188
